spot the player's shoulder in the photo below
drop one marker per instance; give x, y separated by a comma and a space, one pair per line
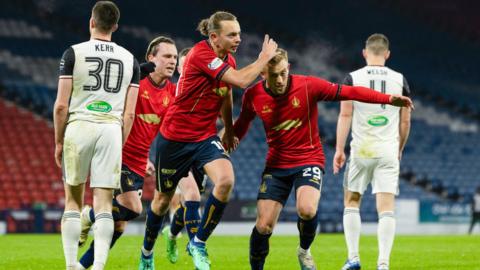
256, 88
394, 73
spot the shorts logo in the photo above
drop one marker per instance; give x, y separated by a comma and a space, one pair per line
168, 171
263, 187
168, 183
216, 63
129, 181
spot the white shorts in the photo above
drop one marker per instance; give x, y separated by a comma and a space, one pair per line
95, 149
381, 172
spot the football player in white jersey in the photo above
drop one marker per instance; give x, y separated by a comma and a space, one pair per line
93, 115
379, 134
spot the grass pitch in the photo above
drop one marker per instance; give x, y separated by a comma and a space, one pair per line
231, 252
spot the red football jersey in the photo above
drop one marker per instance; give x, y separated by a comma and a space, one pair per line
152, 103
291, 120
199, 96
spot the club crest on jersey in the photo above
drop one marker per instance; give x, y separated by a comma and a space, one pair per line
266, 109
288, 124
165, 101
145, 94
216, 63
295, 102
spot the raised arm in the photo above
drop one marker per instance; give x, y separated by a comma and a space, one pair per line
244, 77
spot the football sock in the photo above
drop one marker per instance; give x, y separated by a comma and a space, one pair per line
307, 230
153, 226
177, 221
192, 217
70, 236
386, 234
351, 227
211, 217
259, 248
102, 233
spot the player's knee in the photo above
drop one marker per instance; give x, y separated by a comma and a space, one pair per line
191, 194
352, 200
224, 184
307, 212
160, 204
264, 227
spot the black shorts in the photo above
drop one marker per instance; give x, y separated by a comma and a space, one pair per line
175, 159
277, 183
129, 181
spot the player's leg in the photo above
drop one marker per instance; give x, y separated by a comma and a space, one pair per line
127, 204
186, 215
175, 204
355, 182
77, 154
70, 225
308, 184
385, 186
105, 178
272, 196
268, 212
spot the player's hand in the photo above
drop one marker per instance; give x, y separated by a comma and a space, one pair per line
58, 154
338, 161
401, 101
150, 170
269, 49
229, 141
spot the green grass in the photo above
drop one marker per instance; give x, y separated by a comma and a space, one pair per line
409, 252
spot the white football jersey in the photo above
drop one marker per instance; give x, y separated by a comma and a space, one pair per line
101, 72
375, 127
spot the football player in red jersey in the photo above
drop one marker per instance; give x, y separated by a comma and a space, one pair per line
188, 133
155, 95
287, 106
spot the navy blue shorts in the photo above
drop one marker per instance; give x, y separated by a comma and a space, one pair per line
175, 159
277, 183
129, 181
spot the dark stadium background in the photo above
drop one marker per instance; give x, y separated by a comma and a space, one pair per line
435, 44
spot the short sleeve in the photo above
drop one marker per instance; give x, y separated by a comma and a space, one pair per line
67, 63
136, 74
208, 62
406, 88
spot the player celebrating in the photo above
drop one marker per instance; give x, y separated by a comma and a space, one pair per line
95, 106
155, 95
287, 105
188, 133
187, 197
379, 134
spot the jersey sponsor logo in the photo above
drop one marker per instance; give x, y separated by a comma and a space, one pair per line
295, 102
221, 91
150, 118
266, 109
99, 106
168, 171
287, 125
377, 121
216, 63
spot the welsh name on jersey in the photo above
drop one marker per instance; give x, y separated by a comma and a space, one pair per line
101, 72
375, 128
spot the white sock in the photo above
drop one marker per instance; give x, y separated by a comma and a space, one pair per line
80, 267
386, 234
102, 233
171, 236
70, 236
352, 226
146, 253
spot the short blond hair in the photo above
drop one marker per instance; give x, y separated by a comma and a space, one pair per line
377, 43
281, 55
